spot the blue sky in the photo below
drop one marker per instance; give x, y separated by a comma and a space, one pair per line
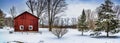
74, 6
20, 5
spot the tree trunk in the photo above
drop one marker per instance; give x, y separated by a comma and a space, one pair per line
107, 34
49, 16
50, 27
107, 30
82, 32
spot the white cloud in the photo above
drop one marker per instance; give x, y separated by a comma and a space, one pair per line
74, 10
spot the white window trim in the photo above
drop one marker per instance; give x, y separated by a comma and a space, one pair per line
30, 27
21, 27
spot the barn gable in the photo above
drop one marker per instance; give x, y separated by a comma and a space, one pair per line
26, 13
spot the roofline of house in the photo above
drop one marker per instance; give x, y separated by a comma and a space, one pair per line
25, 12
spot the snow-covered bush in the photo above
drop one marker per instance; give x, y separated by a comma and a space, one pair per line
59, 32
95, 34
41, 41
15, 42
10, 32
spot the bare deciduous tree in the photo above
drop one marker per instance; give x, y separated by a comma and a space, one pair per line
66, 22
74, 22
32, 5
54, 7
40, 9
13, 14
39, 6
90, 19
117, 10
8, 21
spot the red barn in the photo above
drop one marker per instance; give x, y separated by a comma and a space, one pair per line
26, 22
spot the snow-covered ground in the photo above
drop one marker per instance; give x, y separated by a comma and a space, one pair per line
73, 36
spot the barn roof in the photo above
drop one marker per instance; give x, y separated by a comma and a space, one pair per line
25, 12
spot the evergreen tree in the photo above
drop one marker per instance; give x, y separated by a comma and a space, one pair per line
1, 18
82, 23
106, 19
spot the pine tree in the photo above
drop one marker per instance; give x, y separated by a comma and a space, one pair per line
82, 23
1, 18
106, 18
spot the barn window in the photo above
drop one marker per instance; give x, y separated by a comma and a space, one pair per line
30, 27
21, 27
